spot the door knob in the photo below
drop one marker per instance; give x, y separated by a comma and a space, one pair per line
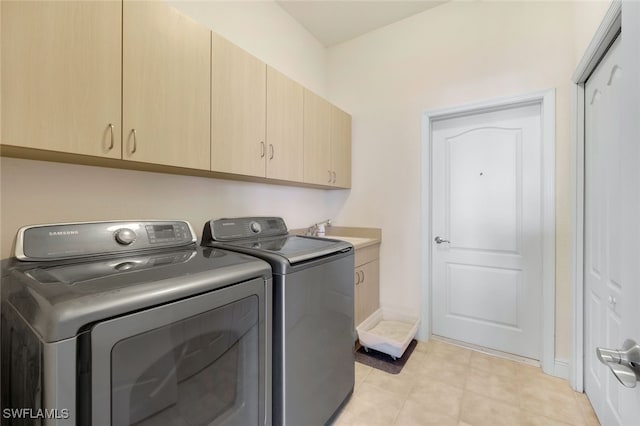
439, 240
624, 363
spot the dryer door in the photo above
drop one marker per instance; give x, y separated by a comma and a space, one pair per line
197, 361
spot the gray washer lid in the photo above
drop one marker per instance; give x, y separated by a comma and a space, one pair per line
289, 252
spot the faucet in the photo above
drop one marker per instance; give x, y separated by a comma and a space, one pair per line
318, 229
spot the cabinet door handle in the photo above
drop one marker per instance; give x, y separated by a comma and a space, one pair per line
272, 150
135, 141
334, 177
329, 181
362, 276
358, 277
111, 143
262, 149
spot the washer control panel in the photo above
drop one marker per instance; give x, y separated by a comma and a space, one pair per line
243, 227
71, 240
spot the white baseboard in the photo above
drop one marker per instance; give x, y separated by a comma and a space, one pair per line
488, 351
561, 369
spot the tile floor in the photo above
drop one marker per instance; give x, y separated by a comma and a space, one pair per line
443, 385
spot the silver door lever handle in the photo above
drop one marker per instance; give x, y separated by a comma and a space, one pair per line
624, 363
439, 240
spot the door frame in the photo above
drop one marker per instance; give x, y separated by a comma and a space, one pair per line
546, 100
606, 33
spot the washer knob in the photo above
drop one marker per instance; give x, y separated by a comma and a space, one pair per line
125, 236
255, 227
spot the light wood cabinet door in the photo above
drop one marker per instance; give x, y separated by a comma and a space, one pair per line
367, 281
166, 86
367, 293
341, 147
317, 140
61, 79
370, 288
238, 110
284, 127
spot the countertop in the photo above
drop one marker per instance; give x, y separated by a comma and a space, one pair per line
357, 242
358, 237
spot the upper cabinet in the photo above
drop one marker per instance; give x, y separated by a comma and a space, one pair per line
341, 147
317, 140
61, 76
238, 110
166, 86
327, 143
256, 116
137, 84
284, 127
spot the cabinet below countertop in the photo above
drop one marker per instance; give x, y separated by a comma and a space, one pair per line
366, 242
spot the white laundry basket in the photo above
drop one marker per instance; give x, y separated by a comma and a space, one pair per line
388, 332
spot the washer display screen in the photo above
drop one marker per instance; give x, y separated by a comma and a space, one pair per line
164, 231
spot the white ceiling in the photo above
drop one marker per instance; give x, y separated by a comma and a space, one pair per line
335, 21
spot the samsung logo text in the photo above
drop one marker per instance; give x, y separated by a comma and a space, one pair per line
62, 233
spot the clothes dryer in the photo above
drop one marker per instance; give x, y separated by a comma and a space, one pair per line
118, 323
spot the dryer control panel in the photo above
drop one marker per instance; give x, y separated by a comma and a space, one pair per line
73, 240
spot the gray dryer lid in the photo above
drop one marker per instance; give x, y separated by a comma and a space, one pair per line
59, 298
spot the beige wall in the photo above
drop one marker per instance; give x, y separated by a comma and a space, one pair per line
39, 192
587, 18
454, 54
266, 31
42, 192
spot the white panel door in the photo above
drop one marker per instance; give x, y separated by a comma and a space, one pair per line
603, 231
487, 276
631, 143
612, 212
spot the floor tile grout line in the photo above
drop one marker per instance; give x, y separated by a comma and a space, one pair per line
404, 399
464, 389
583, 409
575, 398
555, 418
395, 419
